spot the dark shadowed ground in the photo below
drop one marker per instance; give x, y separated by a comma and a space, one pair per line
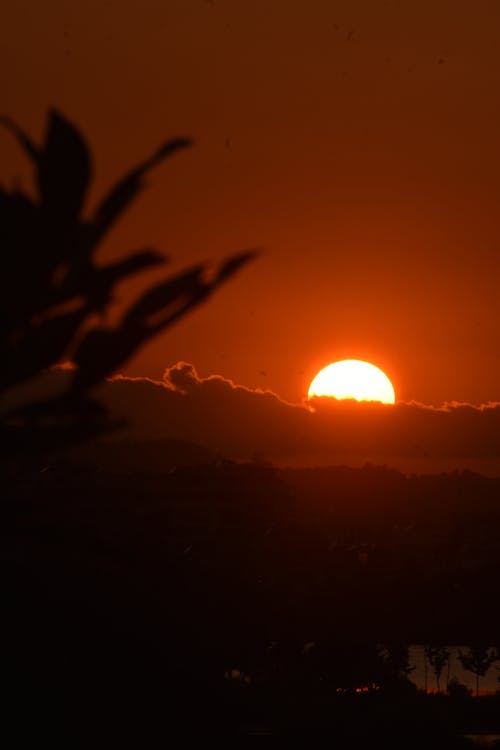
218, 599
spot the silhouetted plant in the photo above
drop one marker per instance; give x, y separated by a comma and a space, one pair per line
51, 287
438, 657
478, 660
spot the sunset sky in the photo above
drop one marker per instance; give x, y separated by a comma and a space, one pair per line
356, 142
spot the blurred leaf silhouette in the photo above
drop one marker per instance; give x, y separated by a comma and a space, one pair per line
51, 287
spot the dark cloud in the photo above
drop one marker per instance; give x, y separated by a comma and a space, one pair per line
212, 411
241, 422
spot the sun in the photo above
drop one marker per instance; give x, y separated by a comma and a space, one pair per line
353, 378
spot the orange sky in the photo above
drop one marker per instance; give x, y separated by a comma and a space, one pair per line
364, 157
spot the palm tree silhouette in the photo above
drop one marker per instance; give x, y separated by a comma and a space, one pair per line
478, 660
438, 657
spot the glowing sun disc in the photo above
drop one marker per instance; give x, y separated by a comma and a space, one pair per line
353, 378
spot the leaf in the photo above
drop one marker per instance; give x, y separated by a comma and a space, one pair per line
24, 140
64, 168
187, 285
234, 263
62, 173
137, 261
166, 150
128, 187
185, 290
97, 284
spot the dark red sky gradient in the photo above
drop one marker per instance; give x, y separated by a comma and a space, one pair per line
364, 156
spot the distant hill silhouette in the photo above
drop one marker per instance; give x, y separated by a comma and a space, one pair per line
157, 456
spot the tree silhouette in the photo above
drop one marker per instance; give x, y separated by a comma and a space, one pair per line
438, 657
52, 289
478, 660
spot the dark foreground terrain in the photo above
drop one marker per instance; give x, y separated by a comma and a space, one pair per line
210, 598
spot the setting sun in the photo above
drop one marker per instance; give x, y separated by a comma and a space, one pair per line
353, 379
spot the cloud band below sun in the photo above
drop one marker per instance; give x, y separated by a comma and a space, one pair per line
240, 423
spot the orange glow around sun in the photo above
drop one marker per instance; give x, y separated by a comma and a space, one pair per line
353, 379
